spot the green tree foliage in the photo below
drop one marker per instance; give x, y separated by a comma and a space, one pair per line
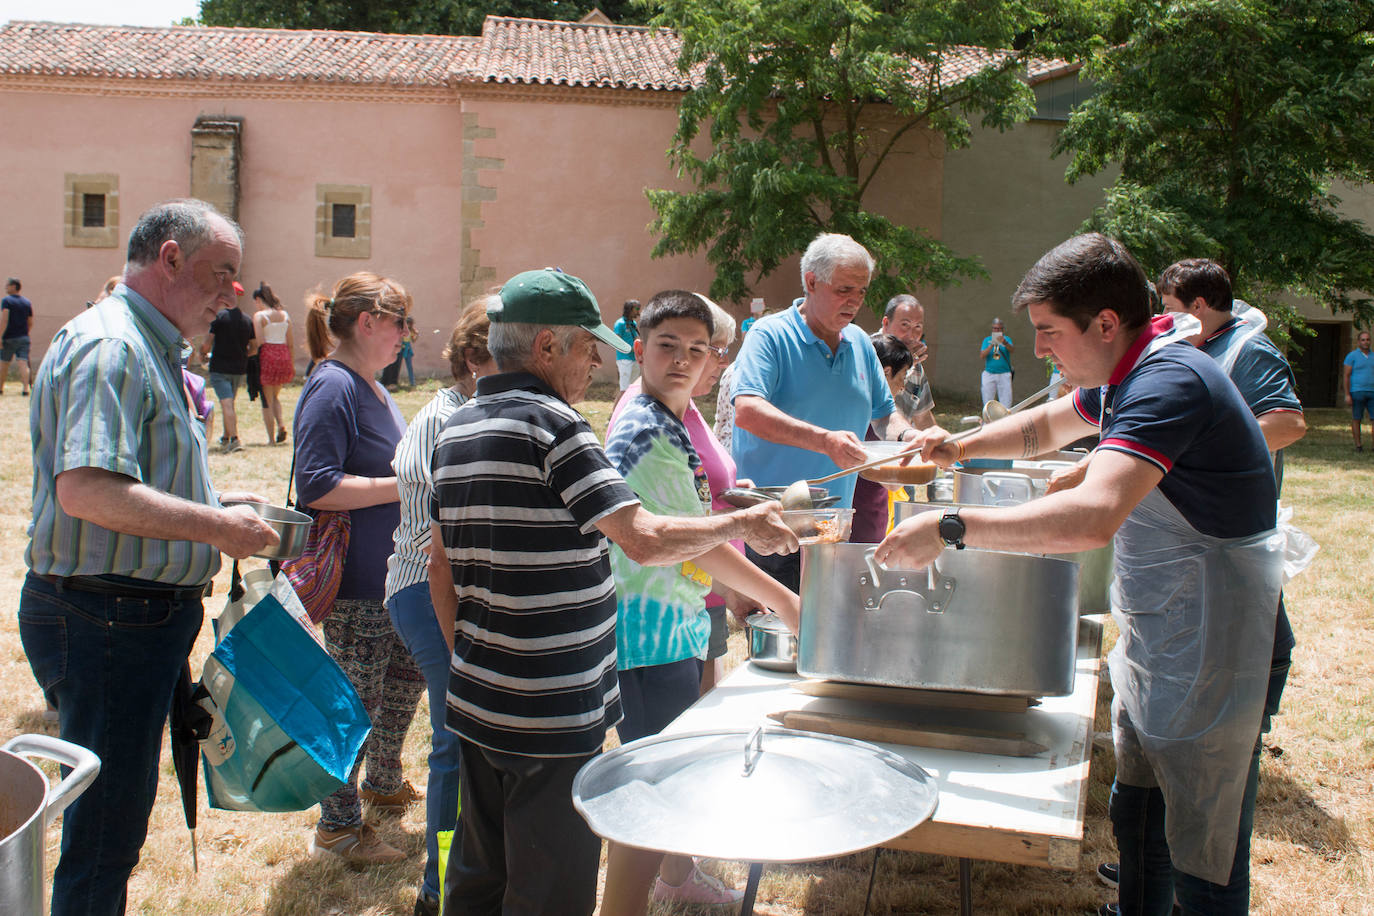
1231, 120
800, 107
429, 17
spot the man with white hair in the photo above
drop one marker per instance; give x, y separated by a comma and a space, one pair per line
808, 384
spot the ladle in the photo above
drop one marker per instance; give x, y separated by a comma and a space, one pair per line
798, 494
993, 410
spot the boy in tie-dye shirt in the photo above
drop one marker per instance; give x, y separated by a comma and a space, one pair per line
662, 628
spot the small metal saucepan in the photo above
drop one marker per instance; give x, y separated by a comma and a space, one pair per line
771, 644
291, 526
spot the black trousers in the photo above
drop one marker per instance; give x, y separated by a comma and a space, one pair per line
520, 849
784, 567
391, 375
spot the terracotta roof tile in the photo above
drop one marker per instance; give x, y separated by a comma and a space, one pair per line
250, 55
576, 54
509, 50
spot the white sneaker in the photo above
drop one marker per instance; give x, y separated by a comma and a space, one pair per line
698, 888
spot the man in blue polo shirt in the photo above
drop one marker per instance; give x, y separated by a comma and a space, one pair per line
1183, 486
1358, 382
807, 385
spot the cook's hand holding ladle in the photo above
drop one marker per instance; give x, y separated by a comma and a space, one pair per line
945, 451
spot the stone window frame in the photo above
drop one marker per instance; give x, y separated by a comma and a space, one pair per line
327, 245
75, 234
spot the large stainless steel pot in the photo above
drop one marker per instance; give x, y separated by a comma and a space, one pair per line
993, 489
988, 487
977, 620
27, 807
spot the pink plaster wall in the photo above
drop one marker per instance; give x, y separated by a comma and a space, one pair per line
570, 193
408, 154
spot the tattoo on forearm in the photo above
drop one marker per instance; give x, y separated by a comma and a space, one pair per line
1030, 441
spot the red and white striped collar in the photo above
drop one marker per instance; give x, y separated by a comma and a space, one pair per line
1228, 326
1160, 324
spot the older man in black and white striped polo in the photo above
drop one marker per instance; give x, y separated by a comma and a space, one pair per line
525, 500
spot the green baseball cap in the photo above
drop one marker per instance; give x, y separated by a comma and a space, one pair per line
552, 297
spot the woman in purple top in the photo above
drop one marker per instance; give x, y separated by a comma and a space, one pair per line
346, 431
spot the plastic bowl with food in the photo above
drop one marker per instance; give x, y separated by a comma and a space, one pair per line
885, 448
819, 526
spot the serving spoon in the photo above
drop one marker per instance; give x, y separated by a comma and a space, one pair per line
798, 493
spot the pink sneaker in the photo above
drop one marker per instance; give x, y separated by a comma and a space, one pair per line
698, 888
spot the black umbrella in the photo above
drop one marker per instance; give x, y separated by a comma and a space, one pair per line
190, 725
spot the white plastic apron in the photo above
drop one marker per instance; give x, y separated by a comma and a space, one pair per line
1190, 671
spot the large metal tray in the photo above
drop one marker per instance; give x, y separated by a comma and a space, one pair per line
770, 795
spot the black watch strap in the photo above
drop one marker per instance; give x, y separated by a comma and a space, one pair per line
952, 529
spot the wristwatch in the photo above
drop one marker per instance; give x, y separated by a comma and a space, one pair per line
952, 529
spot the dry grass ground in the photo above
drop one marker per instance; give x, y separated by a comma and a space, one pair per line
1314, 828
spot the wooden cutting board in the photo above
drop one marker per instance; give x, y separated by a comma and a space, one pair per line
946, 737
906, 696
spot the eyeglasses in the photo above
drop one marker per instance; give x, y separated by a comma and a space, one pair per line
720, 353
400, 320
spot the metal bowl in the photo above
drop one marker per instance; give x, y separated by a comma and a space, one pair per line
771, 644
291, 526
820, 496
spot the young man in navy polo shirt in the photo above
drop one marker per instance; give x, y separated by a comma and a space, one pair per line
1182, 485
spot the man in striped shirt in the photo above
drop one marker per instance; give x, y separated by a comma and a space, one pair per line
525, 499
126, 534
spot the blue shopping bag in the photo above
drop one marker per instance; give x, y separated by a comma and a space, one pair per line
287, 723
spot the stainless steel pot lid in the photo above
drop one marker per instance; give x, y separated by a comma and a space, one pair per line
767, 620
771, 795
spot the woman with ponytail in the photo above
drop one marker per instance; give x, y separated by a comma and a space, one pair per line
346, 431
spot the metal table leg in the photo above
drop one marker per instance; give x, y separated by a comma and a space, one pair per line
965, 887
751, 889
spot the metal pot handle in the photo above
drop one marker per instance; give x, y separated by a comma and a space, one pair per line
1007, 488
85, 767
754, 744
938, 589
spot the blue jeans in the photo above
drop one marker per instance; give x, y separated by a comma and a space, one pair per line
1149, 881
109, 664
412, 614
